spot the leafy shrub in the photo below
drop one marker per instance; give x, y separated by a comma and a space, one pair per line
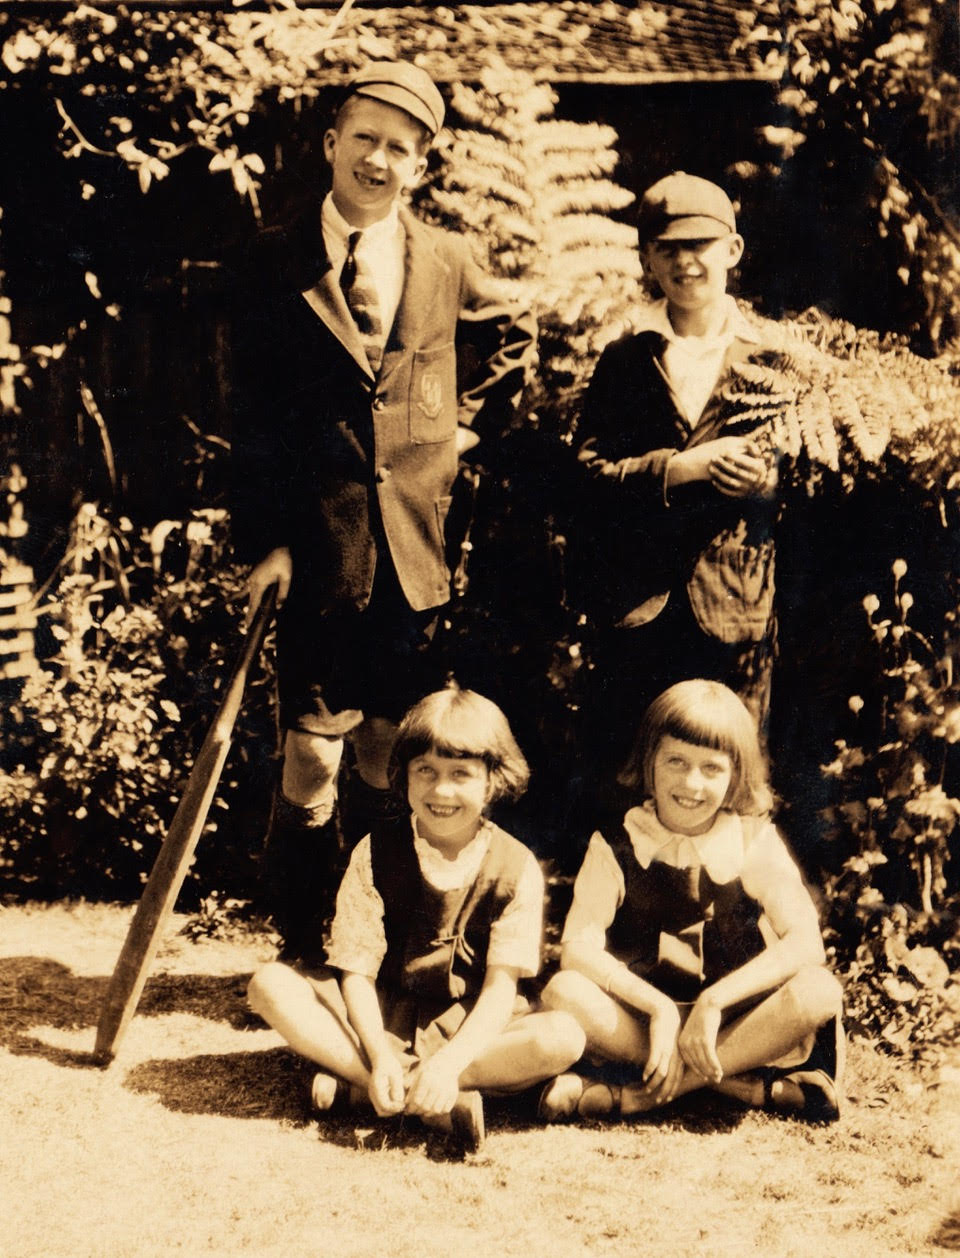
893, 899
102, 740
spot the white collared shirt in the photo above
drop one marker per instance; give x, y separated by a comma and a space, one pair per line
692, 364
381, 247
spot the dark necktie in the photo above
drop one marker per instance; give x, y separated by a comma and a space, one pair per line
360, 292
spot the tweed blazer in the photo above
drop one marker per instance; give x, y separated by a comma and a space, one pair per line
637, 545
345, 467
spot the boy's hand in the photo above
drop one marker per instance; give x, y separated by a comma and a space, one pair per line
698, 1040
386, 1090
275, 567
696, 462
434, 1087
466, 439
664, 1068
741, 473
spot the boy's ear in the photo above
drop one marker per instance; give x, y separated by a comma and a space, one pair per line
736, 246
416, 174
329, 143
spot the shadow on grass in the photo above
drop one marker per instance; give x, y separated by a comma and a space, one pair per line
270, 1083
38, 991
274, 1084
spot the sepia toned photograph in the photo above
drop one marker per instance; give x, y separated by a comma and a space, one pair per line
479, 616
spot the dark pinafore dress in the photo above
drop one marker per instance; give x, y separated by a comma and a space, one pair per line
681, 931
437, 941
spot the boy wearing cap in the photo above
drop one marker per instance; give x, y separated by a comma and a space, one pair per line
681, 499
349, 422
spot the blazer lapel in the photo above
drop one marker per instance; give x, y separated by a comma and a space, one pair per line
328, 303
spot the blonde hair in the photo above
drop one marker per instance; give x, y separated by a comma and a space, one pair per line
463, 725
707, 714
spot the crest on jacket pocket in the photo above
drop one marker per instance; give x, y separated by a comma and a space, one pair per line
431, 394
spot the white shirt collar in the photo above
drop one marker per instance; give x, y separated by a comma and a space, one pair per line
719, 850
335, 226
654, 318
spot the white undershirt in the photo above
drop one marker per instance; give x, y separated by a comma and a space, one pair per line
693, 363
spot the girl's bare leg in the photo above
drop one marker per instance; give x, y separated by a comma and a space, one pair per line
762, 1035
534, 1048
285, 1000
612, 1031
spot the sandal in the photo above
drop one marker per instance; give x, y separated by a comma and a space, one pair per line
465, 1122
560, 1097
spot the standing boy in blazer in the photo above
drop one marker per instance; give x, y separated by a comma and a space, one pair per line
349, 423
681, 501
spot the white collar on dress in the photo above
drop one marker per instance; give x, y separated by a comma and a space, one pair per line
720, 850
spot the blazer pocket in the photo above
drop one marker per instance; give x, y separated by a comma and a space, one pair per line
432, 402
731, 589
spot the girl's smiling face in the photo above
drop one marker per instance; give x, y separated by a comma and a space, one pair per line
690, 784
447, 795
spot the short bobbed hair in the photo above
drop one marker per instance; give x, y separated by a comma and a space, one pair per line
463, 725
707, 714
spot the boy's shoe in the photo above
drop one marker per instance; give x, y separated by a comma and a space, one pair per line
327, 1093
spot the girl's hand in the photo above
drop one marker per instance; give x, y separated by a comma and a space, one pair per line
386, 1089
698, 1040
434, 1087
664, 1068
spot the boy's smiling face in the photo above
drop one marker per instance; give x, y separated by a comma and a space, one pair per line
692, 274
447, 796
375, 153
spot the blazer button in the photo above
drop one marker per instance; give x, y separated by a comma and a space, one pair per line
383, 473
378, 403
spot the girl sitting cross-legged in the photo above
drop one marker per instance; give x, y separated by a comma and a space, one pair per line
438, 916
691, 954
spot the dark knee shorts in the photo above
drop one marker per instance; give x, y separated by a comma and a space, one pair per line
337, 666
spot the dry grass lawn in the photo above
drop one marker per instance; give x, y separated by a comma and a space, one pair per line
197, 1140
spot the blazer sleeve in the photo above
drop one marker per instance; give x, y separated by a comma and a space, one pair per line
496, 352
620, 441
